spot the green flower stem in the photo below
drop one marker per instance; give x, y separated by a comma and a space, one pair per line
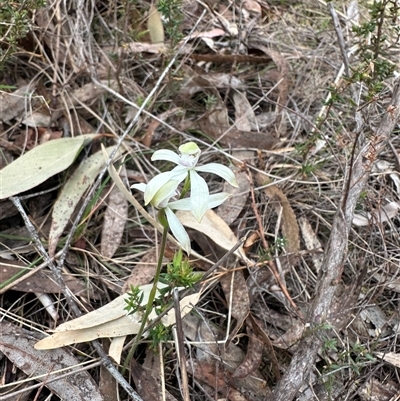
152, 296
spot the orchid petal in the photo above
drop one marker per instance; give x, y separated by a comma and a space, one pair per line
199, 195
141, 186
164, 194
154, 186
217, 199
213, 201
164, 154
220, 170
178, 230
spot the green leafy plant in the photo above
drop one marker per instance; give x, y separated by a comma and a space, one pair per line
15, 24
171, 10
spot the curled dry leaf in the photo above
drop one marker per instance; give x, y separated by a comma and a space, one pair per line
18, 345
115, 218
253, 356
290, 228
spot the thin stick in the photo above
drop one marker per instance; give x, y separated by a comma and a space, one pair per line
180, 347
339, 34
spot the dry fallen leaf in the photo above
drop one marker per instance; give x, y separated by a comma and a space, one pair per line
115, 218
110, 321
253, 357
213, 227
290, 228
233, 206
312, 242
143, 272
206, 334
72, 193
386, 213
13, 104
39, 164
237, 297
391, 357
18, 345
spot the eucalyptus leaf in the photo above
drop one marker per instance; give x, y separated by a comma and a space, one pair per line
39, 164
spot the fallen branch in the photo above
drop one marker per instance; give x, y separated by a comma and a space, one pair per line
336, 253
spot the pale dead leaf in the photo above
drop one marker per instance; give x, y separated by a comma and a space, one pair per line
233, 206
213, 227
208, 34
390, 357
252, 6
155, 26
136, 47
37, 119
116, 348
244, 114
291, 337
114, 221
386, 213
290, 228
12, 105
312, 242
18, 345
110, 321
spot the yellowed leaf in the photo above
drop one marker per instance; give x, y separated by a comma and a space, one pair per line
155, 26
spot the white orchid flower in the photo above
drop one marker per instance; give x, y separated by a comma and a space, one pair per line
166, 183
175, 225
